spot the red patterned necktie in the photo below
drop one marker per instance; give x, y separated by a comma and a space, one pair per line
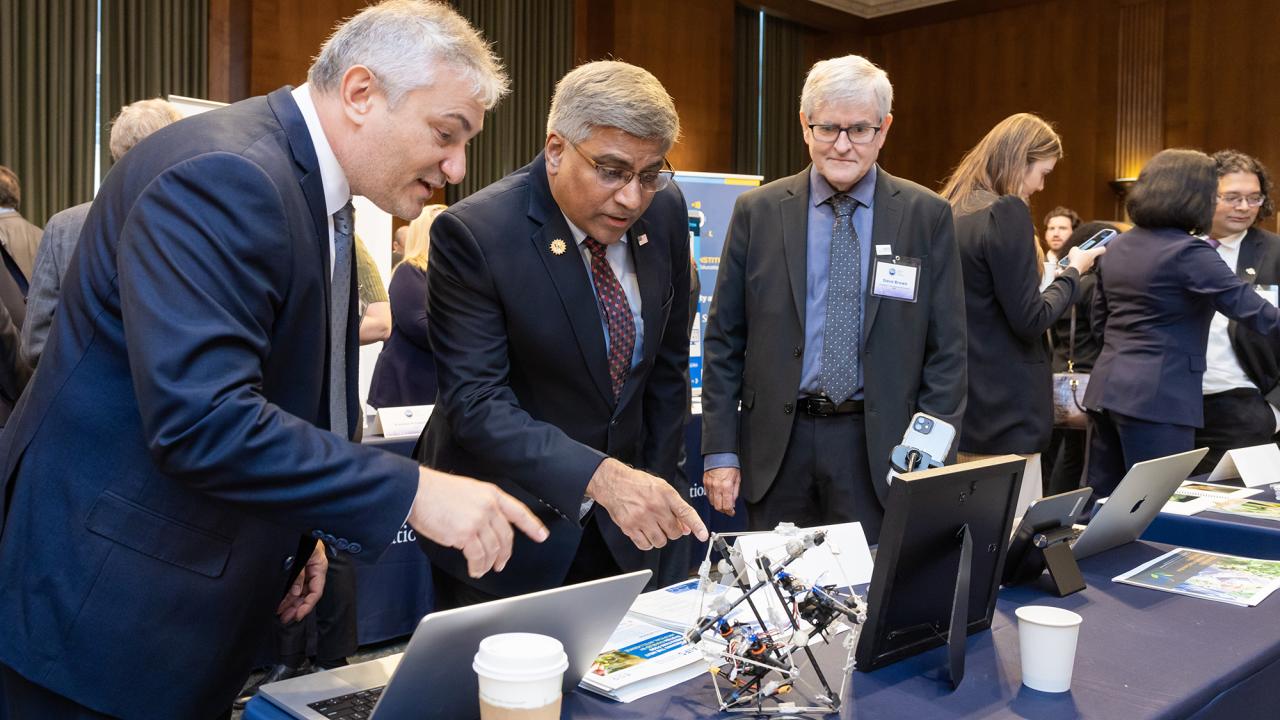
617, 315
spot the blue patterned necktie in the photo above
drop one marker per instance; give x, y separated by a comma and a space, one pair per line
339, 301
844, 295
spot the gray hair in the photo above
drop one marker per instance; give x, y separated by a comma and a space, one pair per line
404, 43
851, 78
611, 93
137, 120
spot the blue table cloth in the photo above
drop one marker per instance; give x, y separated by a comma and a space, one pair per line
1142, 654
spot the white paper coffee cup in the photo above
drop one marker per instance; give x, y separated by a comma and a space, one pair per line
520, 676
1047, 641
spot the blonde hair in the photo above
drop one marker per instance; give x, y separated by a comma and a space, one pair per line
998, 164
418, 241
138, 120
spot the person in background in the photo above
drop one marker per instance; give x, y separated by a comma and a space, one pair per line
397, 245
827, 363
1158, 288
1062, 465
1242, 369
405, 373
1010, 406
375, 306
19, 239
131, 125
1059, 223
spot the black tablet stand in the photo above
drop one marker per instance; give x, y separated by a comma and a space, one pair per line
1054, 546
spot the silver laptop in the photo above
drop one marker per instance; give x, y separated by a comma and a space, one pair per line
1135, 503
433, 677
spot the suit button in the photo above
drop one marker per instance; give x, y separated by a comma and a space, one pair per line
797, 352
288, 563
343, 543
614, 422
317, 534
788, 408
354, 548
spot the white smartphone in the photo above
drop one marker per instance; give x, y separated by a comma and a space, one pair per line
930, 435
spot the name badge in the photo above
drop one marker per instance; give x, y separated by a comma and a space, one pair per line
1270, 293
896, 278
884, 250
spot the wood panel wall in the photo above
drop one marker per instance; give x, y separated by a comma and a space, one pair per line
957, 68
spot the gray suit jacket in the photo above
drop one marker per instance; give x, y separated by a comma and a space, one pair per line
21, 239
52, 260
915, 353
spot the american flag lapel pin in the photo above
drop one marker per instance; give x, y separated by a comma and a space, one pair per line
643, 239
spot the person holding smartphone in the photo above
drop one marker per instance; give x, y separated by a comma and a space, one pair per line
1010, 408
1157, 292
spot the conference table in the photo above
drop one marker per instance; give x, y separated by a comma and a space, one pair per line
1143, 654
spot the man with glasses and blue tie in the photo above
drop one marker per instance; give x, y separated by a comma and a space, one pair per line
838, 313
1242, 369
558, 299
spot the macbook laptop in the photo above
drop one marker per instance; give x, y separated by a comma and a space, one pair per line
433, 677
1135, 503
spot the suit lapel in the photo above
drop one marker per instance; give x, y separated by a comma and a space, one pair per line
304, 156
569, 275
886, 219
795, 237
1249, 252
648, 259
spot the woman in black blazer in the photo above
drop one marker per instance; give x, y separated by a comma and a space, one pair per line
1157, 292
1009, 406
405, 373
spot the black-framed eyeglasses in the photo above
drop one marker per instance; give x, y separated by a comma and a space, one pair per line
857, 134
1233, 199
615, 178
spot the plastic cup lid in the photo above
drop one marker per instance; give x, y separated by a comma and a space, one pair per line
520, 656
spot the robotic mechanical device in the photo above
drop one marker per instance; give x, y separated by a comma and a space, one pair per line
759, 621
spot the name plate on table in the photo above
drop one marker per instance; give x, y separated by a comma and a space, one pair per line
1255, 466
407, 421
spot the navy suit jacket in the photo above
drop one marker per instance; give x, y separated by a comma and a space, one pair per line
170, 453
525, 399
1156, 293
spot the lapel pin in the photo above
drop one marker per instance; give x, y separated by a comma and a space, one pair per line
643, 239
558, 247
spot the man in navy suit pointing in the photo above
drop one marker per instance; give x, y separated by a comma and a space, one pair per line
184, 446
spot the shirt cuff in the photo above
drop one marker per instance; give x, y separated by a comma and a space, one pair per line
714, 461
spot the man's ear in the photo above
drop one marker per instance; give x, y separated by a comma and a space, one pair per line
554, 152
359, 93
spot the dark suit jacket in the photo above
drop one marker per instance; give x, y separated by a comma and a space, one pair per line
914, 358
525, 399
1157, 290
169, 454
1259, 356
405, 373
1010, 406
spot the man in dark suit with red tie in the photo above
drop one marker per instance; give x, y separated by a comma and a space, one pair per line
558, 299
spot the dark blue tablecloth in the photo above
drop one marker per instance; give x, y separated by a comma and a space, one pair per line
1142, 654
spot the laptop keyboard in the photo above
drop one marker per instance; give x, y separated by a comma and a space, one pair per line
354, 706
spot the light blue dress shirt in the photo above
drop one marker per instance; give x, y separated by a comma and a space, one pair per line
821, 221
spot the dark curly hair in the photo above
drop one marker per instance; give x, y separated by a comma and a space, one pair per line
1234, 161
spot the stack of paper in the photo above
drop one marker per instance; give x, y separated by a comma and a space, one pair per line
641, 659
1194, 497
1212, 576
1249, 508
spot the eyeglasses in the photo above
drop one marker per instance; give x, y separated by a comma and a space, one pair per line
1233, 199
614, 178
857, 134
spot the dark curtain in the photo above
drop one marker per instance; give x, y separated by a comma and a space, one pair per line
767, 137
534, 38
47, 101
151, 48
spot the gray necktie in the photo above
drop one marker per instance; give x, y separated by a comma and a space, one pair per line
339, 300
844, 295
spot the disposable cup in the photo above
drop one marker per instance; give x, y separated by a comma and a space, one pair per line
519, 676
1047, 641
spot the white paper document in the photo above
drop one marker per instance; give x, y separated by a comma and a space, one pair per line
407, 421
1255, 466
843, 560
641, 659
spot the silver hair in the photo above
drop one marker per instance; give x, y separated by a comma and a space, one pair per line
405, 43
137, 120
851, 78
611, 93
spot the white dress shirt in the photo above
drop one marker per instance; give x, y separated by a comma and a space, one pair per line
1222, 368
337, 191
